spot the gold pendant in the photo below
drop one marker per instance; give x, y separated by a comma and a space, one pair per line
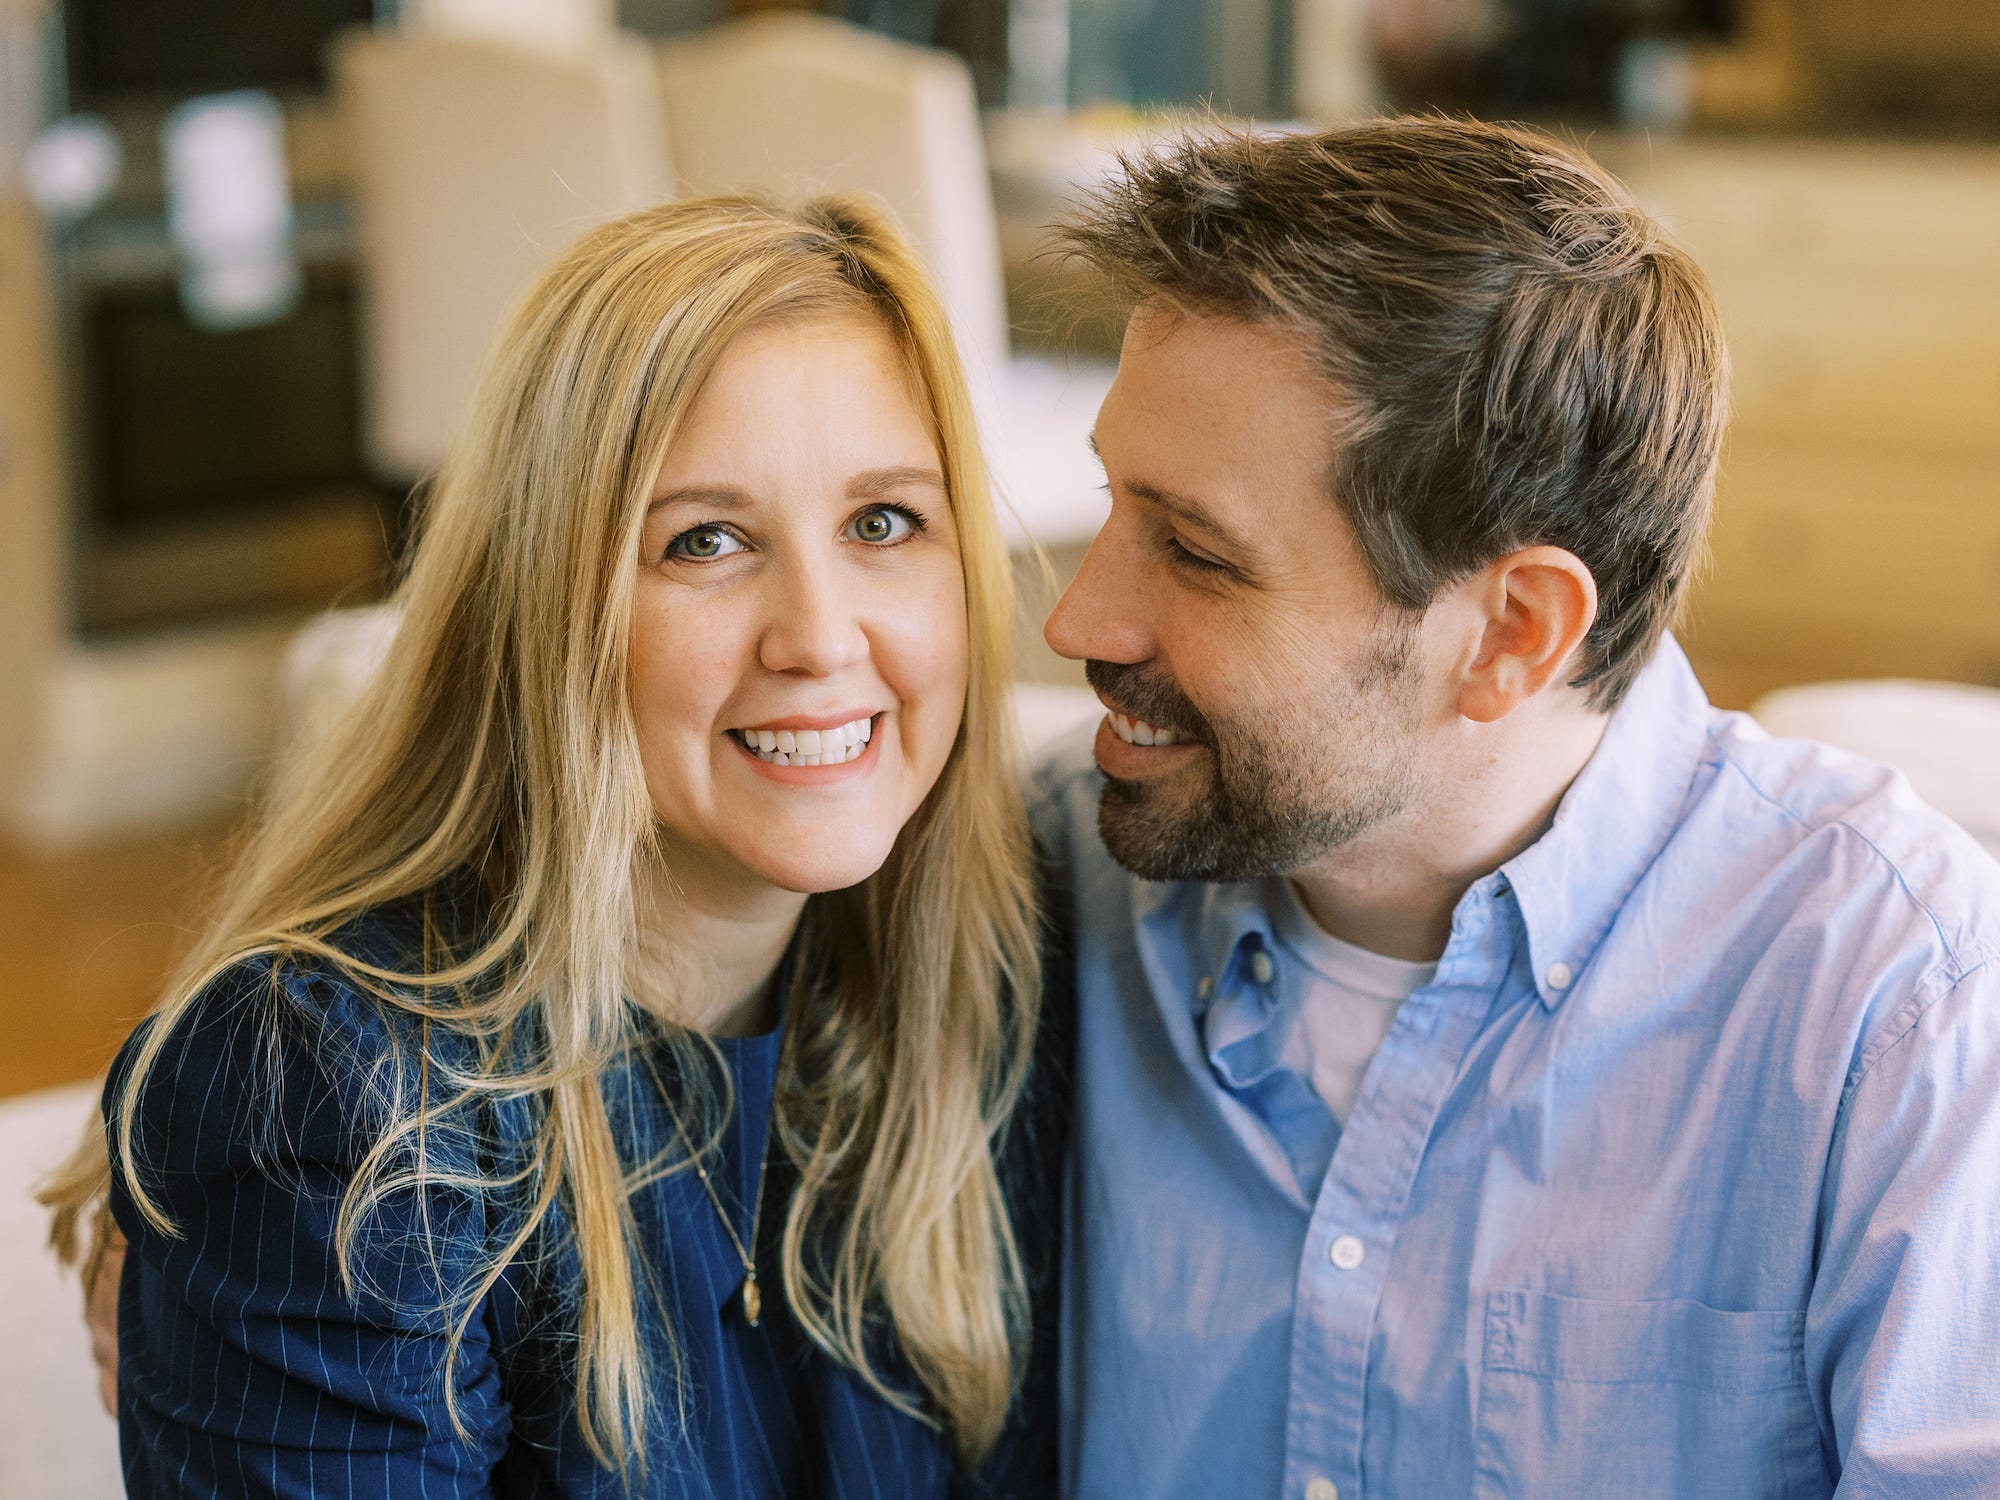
753, 1300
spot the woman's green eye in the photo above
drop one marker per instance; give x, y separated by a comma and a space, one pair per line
702, 543
885, 523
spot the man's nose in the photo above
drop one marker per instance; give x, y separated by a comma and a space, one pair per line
813, 623
1102, 614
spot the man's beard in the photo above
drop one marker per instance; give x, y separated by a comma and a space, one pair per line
1278, 794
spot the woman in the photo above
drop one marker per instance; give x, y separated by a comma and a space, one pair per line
591, 1083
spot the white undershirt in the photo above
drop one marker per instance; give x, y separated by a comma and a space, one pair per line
1348, 998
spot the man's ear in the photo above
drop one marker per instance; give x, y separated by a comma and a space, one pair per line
1531, 609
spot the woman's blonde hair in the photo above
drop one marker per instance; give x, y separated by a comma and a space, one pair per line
498, 739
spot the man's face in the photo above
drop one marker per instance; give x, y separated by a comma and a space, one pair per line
1227, 603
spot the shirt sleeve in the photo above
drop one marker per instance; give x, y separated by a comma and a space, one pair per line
246, 1365
1903, 1325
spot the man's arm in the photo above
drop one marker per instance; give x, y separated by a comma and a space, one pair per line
1903, 1324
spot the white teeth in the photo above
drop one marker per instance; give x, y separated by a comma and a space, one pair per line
809, 747
1139, 732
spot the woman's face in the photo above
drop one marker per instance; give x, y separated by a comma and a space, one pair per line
798, 661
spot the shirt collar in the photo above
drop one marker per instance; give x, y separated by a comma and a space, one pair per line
1220, 919
1612, 823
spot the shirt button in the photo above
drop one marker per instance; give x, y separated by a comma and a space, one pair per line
1322, 1489
1346, 1252
1559, 976
1260, 967
1203, 990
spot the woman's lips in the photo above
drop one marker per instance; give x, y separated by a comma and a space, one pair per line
800, 766
788, 744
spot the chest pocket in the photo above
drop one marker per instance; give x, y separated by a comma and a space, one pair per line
1641, 1399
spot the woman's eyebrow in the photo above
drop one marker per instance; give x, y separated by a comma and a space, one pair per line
727, 496
870, 484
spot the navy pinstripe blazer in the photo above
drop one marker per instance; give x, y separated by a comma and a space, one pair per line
246, 1370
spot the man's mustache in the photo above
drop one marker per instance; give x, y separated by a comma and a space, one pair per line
1141, 692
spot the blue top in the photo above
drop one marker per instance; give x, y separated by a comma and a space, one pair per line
1682, 1178
245, 1370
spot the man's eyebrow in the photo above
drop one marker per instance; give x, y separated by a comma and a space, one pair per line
1189, 514
1182, 509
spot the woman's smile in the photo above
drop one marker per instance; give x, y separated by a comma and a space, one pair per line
812, 752
809, 742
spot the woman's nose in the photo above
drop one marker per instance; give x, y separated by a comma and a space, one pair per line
813, 623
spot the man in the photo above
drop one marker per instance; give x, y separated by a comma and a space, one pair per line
1498, 1072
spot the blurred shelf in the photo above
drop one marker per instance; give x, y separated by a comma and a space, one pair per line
318, 550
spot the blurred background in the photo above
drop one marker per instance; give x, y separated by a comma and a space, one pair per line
250, 254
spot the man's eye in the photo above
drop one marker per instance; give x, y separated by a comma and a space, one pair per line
703, 543
884, 524
1181, 557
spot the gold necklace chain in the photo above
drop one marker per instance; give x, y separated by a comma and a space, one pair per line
753, 1300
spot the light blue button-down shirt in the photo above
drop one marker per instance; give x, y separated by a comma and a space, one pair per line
1681, 1178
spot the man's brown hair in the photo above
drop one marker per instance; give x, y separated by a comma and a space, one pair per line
1520, 354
